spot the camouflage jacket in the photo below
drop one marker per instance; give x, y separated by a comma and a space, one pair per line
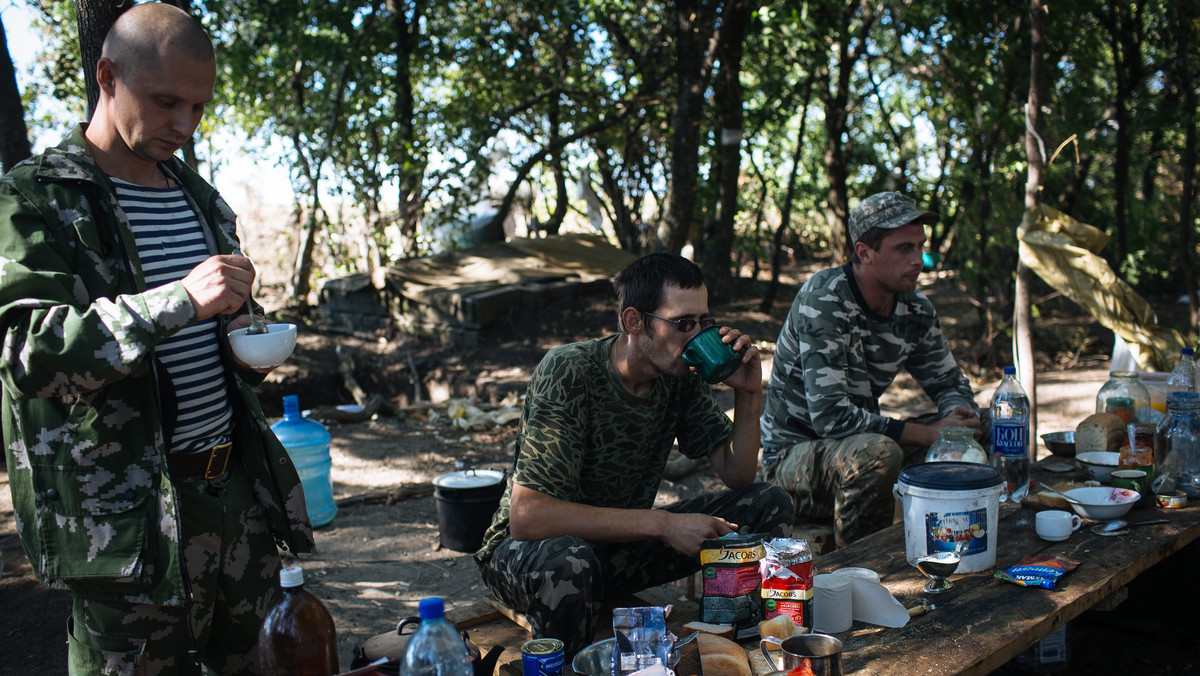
585, 439
82, 424
835, 358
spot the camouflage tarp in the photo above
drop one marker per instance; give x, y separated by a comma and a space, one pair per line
1065, 253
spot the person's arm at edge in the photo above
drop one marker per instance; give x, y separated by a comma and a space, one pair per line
736, 459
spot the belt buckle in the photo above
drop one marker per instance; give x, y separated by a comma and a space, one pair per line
210, 471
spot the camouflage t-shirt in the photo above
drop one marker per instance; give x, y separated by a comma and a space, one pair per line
835, 357
586, 439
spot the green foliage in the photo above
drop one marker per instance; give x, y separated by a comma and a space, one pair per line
423, 114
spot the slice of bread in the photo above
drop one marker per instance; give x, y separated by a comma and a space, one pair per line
780, 626
1100, 432
722, 630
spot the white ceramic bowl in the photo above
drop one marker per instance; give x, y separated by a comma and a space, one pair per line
264, 350
1099, 464
1102, 503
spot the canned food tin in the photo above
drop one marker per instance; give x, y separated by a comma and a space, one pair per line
1176, 500
542, 657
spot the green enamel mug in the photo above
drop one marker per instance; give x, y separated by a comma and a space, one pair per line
713, 359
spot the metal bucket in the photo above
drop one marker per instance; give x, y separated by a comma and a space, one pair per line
466, 501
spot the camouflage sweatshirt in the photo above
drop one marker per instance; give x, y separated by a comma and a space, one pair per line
835, 357
83, 415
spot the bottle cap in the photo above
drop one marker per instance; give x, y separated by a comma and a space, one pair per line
431, 608
1188, 350
292, 576
291, 405
1010, 370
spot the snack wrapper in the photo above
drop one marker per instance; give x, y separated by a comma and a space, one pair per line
787, 580
642, 639
1039, 570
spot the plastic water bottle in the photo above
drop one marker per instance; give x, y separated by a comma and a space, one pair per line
1183, 376
297, 637
1010, 436
307, 443
435, 649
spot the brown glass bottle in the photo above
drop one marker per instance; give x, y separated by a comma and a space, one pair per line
297, 636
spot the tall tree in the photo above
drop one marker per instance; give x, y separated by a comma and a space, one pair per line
1022, 309
14, 135
94, 18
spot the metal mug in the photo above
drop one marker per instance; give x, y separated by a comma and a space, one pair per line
822, 652
714, 359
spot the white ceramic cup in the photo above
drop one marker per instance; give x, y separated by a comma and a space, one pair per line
1056, 525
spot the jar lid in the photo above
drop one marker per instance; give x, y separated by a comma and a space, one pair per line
951, 476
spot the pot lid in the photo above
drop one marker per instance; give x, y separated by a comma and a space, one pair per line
469, 478
951, 476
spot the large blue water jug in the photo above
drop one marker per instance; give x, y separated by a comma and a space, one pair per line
307, 443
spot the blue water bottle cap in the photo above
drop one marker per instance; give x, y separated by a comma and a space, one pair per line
291, 405
1010, 370
1188, 351
431, 608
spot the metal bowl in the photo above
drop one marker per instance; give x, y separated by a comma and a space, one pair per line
1060, 443
1099, 464
596, 659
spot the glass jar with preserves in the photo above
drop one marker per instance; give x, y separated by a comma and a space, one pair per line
1125, 395
956, 443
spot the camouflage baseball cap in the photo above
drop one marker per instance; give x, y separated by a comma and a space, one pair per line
888, 211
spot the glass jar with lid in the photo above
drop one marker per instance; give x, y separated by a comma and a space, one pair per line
1125, 395
1177, 445
956, 443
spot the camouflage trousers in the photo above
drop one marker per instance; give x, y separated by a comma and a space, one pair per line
850, 479
232, 566
560, 583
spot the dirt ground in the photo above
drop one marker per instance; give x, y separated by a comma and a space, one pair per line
382, 554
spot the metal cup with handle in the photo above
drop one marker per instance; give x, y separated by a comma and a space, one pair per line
822, 652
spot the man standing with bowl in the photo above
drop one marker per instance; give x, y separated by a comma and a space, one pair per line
144, 477
577, 521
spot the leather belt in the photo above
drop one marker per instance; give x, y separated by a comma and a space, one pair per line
210, 464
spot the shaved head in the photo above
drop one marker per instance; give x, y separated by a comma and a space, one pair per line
145, 36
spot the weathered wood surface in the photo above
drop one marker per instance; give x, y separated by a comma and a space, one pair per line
984, 622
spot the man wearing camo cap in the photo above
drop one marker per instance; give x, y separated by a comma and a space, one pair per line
850, 331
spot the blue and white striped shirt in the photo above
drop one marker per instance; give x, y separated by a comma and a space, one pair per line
170, 244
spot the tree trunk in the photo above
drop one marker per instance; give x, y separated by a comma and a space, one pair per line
789, 197
1185, 82
94, 18
405, 32
1022, 308
693, 26
1124, 27
14, 136
836, 96
717, 251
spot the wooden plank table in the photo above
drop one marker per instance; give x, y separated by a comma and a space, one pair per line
974, 629
984, 622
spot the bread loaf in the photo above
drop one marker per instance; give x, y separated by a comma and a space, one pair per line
722, 657
722, 630
1100, 432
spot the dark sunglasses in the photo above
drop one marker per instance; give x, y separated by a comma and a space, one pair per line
686, 324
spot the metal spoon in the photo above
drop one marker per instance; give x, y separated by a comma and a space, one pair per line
1064, 496
1118, 524
256, 323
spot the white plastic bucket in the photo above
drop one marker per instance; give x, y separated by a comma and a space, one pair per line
946, 502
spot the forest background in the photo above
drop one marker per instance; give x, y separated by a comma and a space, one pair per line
744, 130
